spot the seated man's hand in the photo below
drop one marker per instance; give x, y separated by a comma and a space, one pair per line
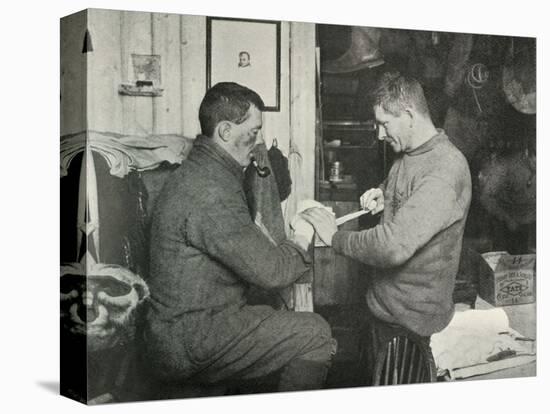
324, 223
303, 231
372, 200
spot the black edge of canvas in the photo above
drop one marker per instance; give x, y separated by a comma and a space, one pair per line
74, 42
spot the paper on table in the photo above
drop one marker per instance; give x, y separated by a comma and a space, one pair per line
486, 368
473, 339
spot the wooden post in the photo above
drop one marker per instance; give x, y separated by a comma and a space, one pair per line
302, 132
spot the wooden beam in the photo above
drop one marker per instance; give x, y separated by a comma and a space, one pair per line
302, 132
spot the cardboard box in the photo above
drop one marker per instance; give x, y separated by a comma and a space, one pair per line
512, 280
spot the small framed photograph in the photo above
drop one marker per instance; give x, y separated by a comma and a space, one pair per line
247, 52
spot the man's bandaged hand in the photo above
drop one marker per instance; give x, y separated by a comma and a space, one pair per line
307, 204
302, 228
324, 223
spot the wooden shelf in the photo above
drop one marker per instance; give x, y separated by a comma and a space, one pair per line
329, 147
367, 125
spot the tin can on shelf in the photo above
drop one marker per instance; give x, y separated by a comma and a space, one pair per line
335, 172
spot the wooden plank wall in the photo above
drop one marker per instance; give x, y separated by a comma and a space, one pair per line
73, 74
193, 64
180, 40
116, 36
105, 110
93, 79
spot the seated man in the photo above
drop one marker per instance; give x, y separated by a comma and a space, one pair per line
425, 201
205, 253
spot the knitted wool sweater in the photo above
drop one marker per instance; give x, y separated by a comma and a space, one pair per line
416, 247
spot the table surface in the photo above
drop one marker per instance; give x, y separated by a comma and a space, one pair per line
522, 319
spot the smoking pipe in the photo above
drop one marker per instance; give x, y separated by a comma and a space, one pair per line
261, 171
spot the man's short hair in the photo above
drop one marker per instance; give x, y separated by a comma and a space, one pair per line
244, 52
226, 101
396, 92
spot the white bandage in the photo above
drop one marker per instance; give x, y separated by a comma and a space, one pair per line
302, 228
307, 204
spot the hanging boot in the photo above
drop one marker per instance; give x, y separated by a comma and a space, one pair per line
363, 52
302, 375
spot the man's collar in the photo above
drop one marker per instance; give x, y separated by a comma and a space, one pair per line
429, 144
208, 145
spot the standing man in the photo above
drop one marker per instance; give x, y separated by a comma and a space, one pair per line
425, 201
205, 253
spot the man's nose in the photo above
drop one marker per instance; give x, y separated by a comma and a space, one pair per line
381, 133
259, 138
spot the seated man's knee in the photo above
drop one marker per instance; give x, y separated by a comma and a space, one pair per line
321, 325
320, 344
312, 324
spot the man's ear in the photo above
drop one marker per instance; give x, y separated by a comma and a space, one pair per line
224, 130
409, 112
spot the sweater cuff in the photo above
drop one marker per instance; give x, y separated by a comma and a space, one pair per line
339, 240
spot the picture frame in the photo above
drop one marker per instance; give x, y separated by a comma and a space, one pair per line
247, 52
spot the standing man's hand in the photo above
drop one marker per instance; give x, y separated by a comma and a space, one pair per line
323, 222
372, 200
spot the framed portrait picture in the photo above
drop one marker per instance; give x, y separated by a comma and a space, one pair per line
247, 52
